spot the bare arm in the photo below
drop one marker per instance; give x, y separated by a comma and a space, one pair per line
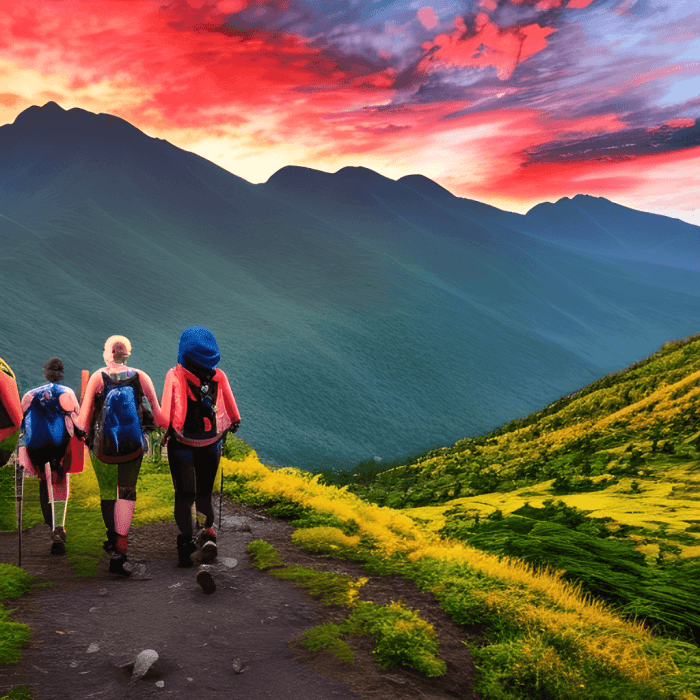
150, 392
82, 422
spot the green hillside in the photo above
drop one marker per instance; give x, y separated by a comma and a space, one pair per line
602, 484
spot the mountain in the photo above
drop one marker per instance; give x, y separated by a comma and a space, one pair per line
641, 422
600, 486
357, 316
595, 224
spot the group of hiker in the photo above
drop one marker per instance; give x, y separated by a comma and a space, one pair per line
119, 406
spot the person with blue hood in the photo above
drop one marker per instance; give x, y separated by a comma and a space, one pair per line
199, 407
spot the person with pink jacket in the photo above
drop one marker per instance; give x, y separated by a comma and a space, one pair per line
198, 409
114, 416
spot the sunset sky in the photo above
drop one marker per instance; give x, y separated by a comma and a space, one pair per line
511, 102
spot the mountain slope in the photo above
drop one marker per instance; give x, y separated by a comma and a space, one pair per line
357, 316
642, 422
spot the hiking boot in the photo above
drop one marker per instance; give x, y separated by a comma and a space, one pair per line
185, 548
206, 581
206, 546
119, 565
110, 544
58, 539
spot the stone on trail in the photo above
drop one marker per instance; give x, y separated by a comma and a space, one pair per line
230, 562
138, 573
160, 684
144, 661
238, 666
93, 648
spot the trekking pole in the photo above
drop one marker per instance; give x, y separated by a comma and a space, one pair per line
221, 492
19, 488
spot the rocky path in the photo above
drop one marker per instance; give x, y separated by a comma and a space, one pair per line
87, 633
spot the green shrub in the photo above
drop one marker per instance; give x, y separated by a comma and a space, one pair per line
235, 449
318, 518
18, 692
328, 636
264, 554
14, 581
13, 635
334, 589
286, 509
400, 637
329, 540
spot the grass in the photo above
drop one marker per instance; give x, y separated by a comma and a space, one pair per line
14, 582
626, 448
563, 643
399, 634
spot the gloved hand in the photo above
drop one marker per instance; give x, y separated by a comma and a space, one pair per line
234, 426
80, 434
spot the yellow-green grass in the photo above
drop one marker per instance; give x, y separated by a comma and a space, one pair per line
563, 639
662, 507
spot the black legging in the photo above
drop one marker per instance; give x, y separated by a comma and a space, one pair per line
193, 470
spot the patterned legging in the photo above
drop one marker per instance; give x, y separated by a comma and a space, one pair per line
118, 497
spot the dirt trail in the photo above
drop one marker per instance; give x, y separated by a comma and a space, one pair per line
87, 632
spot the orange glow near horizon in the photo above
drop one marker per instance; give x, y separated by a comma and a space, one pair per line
455, 106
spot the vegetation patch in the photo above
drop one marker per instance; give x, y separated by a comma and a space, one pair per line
332, 588
264, 555
18, 692
562, 538
532, 615
400, 635
14, 582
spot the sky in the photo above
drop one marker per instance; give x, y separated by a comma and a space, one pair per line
510, 102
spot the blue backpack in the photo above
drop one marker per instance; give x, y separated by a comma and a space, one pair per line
118, 434
44, 423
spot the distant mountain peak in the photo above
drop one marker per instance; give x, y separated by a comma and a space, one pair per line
361, 173
35, 114
424, 184
51, 117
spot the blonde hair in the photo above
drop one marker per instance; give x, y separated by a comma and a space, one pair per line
117, 349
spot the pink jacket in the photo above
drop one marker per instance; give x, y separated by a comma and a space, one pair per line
95, 385
175, 403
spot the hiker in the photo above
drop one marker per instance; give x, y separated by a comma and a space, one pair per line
198, 408
10, 413
49, 448
114, 417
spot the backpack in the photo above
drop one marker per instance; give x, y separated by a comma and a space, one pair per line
117, 434
200, 417
44, 423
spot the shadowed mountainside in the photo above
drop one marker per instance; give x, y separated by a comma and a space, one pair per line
357, 316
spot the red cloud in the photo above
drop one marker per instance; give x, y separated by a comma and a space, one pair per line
427, 17
486, 45
633, 177
192, 68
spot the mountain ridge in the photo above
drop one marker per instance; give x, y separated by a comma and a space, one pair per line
358, 316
